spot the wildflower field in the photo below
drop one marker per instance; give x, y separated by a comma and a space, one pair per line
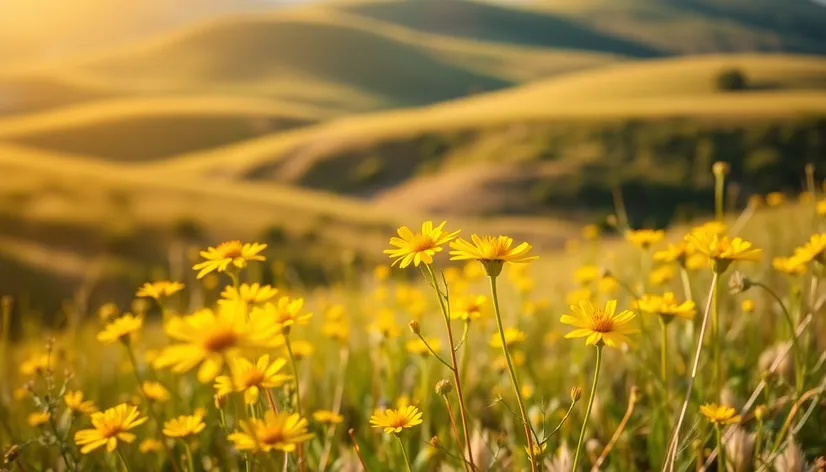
698, 347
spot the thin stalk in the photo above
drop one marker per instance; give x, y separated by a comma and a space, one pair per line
759, 440
588, 409
300, 448
664, 353
721, 460
715, 337
465, 353
338, 397
189, 462
795, 346
632, 401
454, 364
357, 449
686, 283
671, 455
123, 461
511, 370
719, 187
455, 430
404, 453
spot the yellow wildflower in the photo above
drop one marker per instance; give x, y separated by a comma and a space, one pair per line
281, 431
157, 290
121, 329
219, 258
417, 248
599, 325
109, 427
394, 421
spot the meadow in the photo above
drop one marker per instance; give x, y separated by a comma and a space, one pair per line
421, 235
693, 349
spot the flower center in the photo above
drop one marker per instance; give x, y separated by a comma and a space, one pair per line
398, 422
271, 436
423, 243
252, 378
111, 430
220, 340
602, 323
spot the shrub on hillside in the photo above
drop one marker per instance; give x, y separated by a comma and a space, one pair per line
731, 80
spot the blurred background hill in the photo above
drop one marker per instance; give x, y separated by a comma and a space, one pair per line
130, 130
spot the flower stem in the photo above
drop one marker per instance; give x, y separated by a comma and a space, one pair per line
721, 459
455, 431
511, 371
352, 433
189, 462
588, 409
454, 365
123, 461
716, 340
404, 453
297, 396
673, 447
795, 346
664, 353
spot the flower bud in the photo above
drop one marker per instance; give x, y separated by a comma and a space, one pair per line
11, 454
720, 168
576, 394
415, 328
435, 442
761, 412
220, 401
443, 387
739, 283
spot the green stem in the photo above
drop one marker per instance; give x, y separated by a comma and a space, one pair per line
719, 187
715, 337
465, 353
514, 380
123, 461
189, 462
759, 441
295, 374
404, 453
795, 346
588, 410
454, 368
721, 459
664, 352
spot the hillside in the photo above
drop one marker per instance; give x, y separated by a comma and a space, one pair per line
653, 125
702, 26
148, 129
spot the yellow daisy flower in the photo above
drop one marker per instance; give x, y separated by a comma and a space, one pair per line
286, 313
74, 401
747, 305
381, 272
336, 330
418, 347
248, 293
719, 414
775, 199
667, 306
644, 238
327, 417
512, 336
468, 308
600, 324
109, 427
394, 421
302, 349
491, 251
281, 431
148, 446
674, 253
385, 324
157, 290
121, 329
587, 274
155, 391
36, 364
206, 337
723, 250
38, 419
219, 258
251, 378
417, 248
813, 250
184, 426
789, 265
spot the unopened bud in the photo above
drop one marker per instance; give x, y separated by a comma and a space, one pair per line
443, 387
414, 326
761, 412
11, 454
435, 442
220, 401
576, 394
739, 283
720, 168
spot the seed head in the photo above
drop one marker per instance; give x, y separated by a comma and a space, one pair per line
720, 169
443, 387
576, 394
739, 283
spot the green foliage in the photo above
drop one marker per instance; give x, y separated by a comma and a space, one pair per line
732, 80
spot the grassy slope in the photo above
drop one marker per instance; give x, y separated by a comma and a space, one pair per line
788, 85
703, 26
153, 128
